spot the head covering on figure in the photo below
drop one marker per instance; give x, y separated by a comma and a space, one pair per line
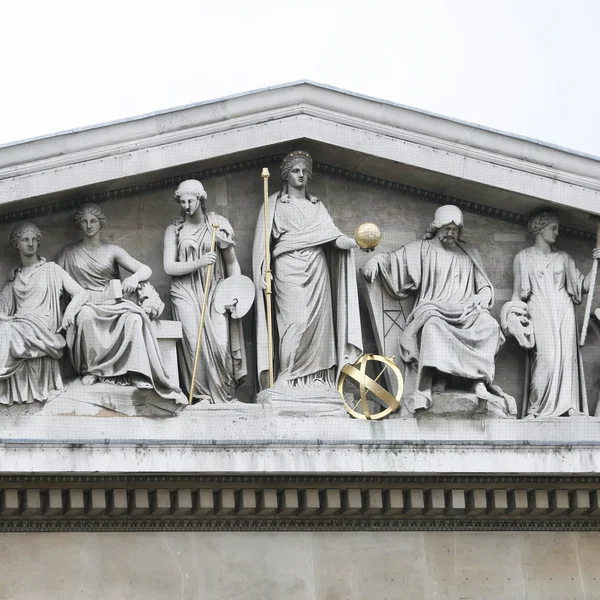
194, 188
89, 208
540, 221
190, 186
445, 215
22, 228
288, 163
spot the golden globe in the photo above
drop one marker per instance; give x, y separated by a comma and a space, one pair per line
367, 236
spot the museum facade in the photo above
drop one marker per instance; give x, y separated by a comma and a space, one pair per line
483, 484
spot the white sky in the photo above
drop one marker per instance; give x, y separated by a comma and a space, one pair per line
523, 66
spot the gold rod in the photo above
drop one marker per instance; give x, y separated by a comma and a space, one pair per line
209, 273
265, 175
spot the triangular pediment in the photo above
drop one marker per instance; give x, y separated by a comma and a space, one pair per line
372, 141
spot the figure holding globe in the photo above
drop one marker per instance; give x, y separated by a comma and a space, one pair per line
314, 285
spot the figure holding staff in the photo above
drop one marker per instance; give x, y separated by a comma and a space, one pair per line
547, 287
221, 364
315, 297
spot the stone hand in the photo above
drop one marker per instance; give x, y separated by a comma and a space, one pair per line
130, 284
210, 258
596, 254
478, 301
68, 318
371, 270
263, 280
345, 243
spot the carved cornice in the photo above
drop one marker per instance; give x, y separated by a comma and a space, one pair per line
324, 169
310, 503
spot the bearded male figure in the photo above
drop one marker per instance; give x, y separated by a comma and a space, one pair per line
450, 331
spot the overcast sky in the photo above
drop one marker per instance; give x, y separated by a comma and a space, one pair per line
523, 66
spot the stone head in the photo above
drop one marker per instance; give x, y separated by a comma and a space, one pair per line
545, 224
89, 218
292, 161
26, 238
447, 225
189, 195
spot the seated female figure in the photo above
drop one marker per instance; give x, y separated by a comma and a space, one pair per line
30, 319
112, 340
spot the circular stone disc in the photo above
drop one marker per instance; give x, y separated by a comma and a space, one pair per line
235, 294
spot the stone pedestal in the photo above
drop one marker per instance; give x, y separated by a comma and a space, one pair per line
294, 402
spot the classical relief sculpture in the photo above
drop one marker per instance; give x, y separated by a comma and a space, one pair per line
541, 315
314, 285
113, 339
30, 319
222, 362
449, 331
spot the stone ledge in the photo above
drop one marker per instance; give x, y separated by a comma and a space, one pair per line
244, 439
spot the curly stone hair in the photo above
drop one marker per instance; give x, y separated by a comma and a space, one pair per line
21, 228
540, 221
91, 209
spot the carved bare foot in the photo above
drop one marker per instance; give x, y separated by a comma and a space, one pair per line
575, 413
139, 381
481, 391
497, 405
89, 379
121, 380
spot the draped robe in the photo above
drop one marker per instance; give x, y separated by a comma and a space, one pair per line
222, 362
30, 346
442, 332
111, 339
551, 285
315, 295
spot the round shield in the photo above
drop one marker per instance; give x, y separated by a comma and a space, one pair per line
235, 295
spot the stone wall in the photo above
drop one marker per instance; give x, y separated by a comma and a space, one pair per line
300, 565
138, 222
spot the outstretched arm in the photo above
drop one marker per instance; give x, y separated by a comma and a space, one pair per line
176, 269
345, 243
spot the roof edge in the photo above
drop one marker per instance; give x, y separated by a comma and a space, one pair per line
301, 82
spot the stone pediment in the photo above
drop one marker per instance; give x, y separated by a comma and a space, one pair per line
374, 160
363, 136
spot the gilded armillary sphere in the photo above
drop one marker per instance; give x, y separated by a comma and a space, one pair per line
364, 397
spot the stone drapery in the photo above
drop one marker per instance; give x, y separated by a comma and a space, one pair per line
444, 330
551, 285
30, 346
315, 295
222, 362
111, 339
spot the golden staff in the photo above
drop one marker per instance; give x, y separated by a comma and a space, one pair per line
593, 274
265, 175
209, 273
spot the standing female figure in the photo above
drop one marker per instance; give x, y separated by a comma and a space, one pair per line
187, 243
549, 283
112, 341
314, 285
